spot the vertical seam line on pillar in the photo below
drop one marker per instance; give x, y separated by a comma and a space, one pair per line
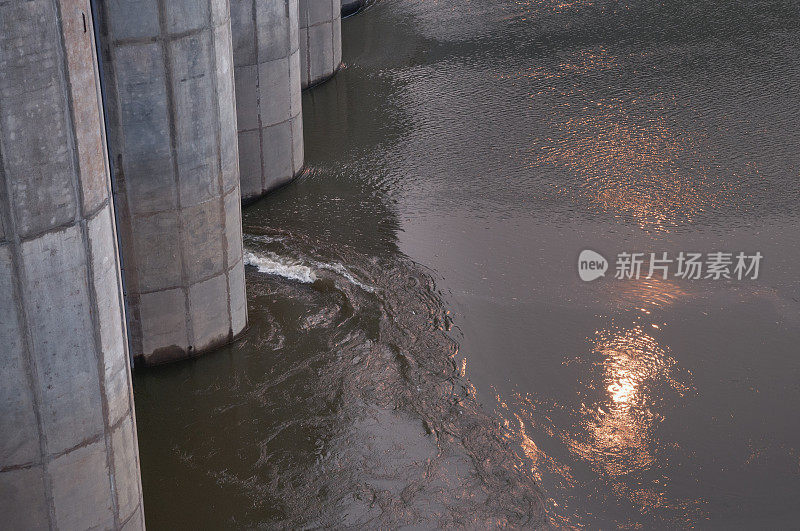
28, 358
133, 297
77, 190
117, 253
333, 37
218, 138
101, 101
289, 54
263, 173
128, 265
169, 82
308, 45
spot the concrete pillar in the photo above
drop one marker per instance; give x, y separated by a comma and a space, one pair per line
320, 40
266, 55
350, 7
68, 451
168, 80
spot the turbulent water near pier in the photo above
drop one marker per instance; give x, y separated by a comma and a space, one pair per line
421, 349
343, 405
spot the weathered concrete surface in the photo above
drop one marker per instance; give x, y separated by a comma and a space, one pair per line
168, 77
266, 55
350, 7
320, 40
68, 449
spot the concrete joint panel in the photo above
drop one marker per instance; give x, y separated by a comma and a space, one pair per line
250, 163
174, 147
127, 479
247, 98
203, 298
80, 489
267, 91
64, 373
206, 250
164, 332
272, 26
18, 423
24, 501
110, 318
144, 155
279, 136
62, 334
41, 192
187, 15
226, 98
196, 131
233, 220
320, 36
238, 296
297, 139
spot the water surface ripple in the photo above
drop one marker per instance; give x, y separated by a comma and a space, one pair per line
422, 351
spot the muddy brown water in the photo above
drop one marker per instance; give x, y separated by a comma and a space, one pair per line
421, 349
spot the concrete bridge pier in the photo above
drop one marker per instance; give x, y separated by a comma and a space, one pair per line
169, 88
320, 40
68, 448
266, 54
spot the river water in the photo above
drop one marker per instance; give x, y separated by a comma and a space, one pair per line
421, 348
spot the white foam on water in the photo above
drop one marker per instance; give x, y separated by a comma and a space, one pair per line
342, 270
263, 238
273, 264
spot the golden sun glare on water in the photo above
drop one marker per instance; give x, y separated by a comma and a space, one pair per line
625, 379
632, 365
639, 156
